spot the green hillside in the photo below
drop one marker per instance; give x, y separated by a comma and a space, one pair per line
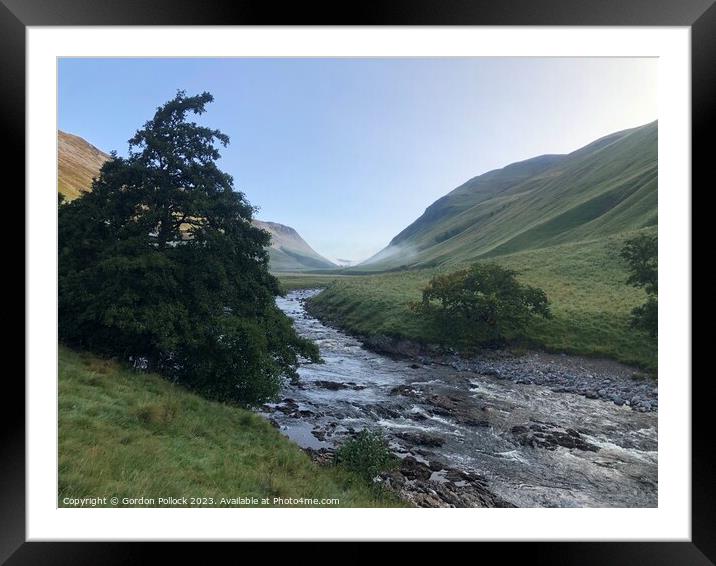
585, 282
128, 434
287, 260
607, 187
559, 221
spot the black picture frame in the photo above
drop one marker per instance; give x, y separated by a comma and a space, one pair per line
699, 15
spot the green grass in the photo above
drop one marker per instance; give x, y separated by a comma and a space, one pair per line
128, 434
291, 281
585, 282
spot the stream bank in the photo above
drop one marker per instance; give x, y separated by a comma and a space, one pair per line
528, 431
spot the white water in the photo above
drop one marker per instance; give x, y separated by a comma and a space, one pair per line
621, 472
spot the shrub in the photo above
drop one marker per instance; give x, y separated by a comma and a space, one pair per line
480, 305
641, 254
367, 455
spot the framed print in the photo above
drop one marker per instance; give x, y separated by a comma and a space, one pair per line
386, 278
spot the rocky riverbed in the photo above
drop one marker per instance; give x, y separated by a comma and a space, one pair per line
496, 431
593, 378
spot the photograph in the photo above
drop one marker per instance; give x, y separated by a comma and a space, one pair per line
366, 282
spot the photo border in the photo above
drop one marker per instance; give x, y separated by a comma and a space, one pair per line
16, 15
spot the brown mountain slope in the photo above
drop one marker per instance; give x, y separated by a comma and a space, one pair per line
77, 163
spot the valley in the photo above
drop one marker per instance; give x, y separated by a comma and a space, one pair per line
565, 414
559, 221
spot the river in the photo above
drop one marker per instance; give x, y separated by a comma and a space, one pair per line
465, 438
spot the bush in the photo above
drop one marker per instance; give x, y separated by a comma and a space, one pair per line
641, 254
367, 455
481, 305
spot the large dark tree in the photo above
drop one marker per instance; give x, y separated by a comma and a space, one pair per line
641, 254
160, 264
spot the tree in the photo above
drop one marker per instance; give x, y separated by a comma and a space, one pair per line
160, 264
641, 254
480, 305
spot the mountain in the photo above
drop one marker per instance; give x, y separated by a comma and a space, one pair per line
604, 188
290, 252
79, 162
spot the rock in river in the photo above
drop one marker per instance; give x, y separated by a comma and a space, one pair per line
550, 436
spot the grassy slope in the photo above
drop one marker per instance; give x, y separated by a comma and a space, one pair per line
605, 188
287, 260
78, 162
128, 434
299, 280
585, 282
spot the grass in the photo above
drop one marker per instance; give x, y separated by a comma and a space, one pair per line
292, 281
129, 434
585, 283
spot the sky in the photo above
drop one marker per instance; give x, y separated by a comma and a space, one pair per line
351, 151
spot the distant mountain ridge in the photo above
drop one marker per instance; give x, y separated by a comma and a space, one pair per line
603, 188
79, 162
289, 251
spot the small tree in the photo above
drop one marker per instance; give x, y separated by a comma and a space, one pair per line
480, 305
160, 262
641, 254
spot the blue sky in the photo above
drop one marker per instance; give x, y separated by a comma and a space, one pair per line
350, 151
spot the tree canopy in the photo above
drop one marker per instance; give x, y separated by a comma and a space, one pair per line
480, 305
641, 253
160, 264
